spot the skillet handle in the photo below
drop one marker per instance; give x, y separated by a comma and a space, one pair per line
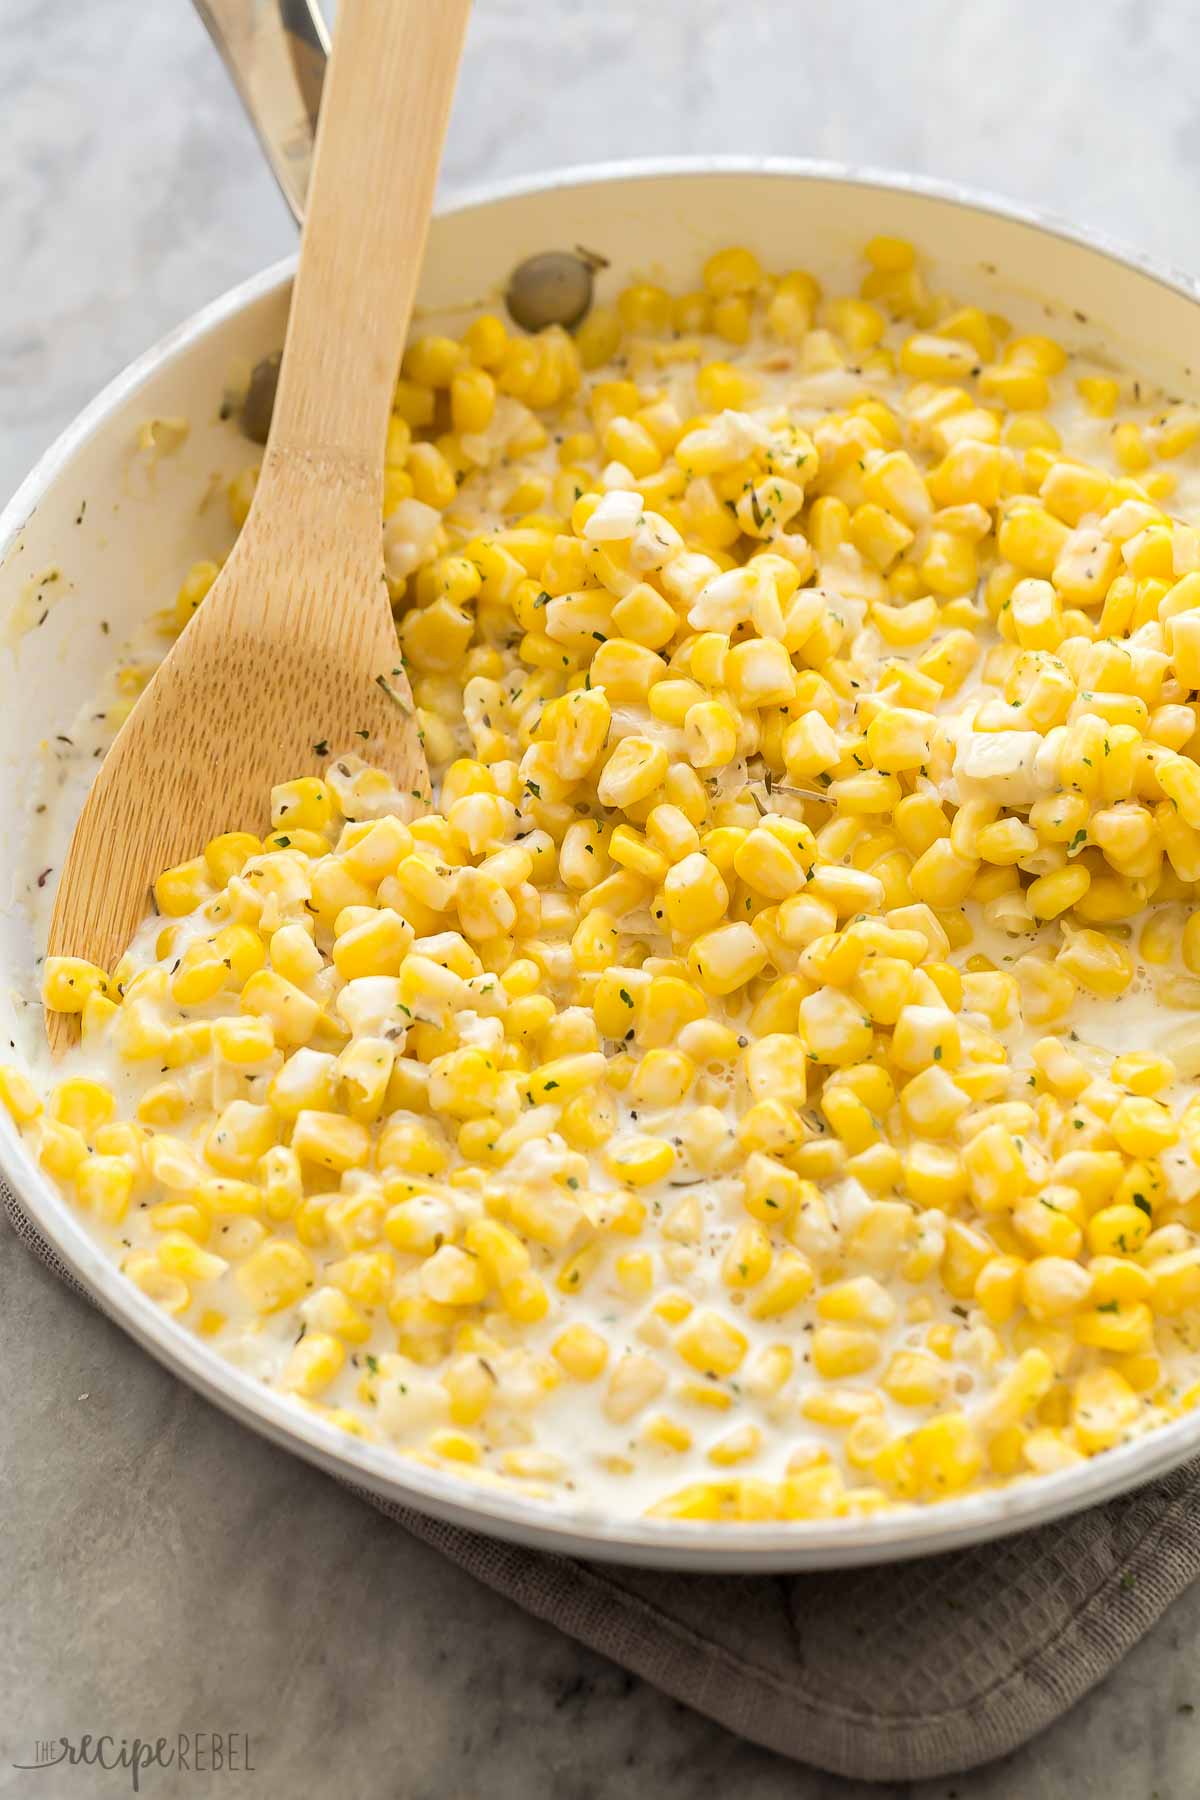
276, 52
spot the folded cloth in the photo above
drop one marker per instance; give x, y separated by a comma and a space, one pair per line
884, 1674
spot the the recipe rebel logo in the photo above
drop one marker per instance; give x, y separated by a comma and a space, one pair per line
207, 1753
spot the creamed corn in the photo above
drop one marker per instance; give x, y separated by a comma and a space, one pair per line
726, 1104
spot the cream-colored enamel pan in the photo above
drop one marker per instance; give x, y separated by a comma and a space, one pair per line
97, 538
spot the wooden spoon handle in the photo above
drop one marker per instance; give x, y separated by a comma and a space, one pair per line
379, 139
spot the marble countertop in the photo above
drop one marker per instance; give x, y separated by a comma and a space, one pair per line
163, 1570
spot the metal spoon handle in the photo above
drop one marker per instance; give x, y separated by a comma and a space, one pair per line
276, 52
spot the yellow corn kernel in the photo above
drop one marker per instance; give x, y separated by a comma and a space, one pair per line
240, 493
598, 337
834, 1028
934, 1175
928, 357
694, 894
68, 982
640, 1159
330, 1140
180, 890
662, 1078
196, 584
1103, 1407
104, 1185
275, 1275
18, 1095
83, 1103
62, 1149
314, 1363
1053, 1286
860, 1300
472, 400
635, 1381
727, 958
452, 1277
945, 1454
711, 1344
307, 804
525, 1299
736, 1447
748, 1257
789, 1281
1122, 1327
839, 1350
377, 946
1099, 963
1021, 388
664, 1433
581, 1352
914, 1378
1130, 448
242, 949
732, 271
1099, 394
168, 1291
1143, 1126
291, 1014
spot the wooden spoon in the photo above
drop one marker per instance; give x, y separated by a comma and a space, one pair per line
292, 658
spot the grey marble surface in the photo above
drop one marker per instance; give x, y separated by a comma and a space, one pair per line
160, 1569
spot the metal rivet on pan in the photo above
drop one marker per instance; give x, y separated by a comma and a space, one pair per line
553, 288
259, 403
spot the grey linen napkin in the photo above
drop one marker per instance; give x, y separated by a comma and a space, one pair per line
883, 1674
